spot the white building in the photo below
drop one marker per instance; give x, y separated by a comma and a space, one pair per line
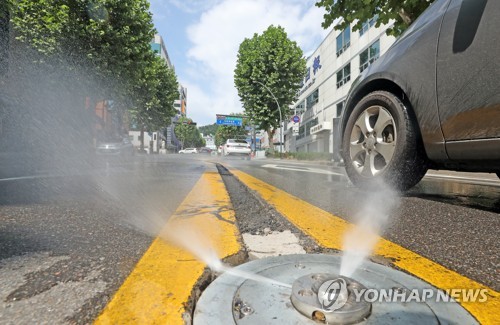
158, 46
330, 71
209, 141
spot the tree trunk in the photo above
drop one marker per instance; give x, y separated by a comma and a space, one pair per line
270, 136
142, 138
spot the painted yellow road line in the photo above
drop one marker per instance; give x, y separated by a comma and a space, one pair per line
328, 230
160, 286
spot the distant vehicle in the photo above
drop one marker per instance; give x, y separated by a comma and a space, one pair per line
189, 150
205, 150
236, 147
431, 101
115, 146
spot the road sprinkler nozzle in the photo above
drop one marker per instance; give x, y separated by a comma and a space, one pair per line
329, 298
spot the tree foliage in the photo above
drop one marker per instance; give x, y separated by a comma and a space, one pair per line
275, 61
402, 12
225, 132
188, 133
110, 41
209, 129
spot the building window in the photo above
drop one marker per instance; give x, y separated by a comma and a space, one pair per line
367, 24
369, 55
343, 40
344, 75
310, 124
312, 99
340, 107
302, 132
300, 107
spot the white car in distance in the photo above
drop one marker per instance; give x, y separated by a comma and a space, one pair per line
236, 147
188, 150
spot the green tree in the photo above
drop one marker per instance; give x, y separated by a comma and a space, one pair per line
225, 132
275, 61
402, 12
209, 129
187, 132
157, 89
110, 41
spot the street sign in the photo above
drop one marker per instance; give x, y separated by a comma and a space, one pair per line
296, 119
229, 120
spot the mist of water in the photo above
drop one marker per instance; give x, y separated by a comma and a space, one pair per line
197, 243
360, 240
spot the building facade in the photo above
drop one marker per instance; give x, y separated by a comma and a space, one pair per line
339, 60
158, 47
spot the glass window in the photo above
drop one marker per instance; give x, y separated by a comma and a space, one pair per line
367, 24
312, 99
369, 55
300, 107
344, 75
340, 107
343, 40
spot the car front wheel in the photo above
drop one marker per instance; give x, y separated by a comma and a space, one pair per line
381, 144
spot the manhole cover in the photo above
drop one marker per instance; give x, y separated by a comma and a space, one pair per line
310, 290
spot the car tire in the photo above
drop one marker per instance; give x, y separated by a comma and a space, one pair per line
382, 144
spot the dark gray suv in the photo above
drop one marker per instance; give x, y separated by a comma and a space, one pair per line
431, 101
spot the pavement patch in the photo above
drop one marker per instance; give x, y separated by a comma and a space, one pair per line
328, 230
272, 244
162, 287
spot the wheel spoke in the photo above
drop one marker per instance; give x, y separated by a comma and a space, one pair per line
386, 150
356, 149
369, 165
384, 119
363, 123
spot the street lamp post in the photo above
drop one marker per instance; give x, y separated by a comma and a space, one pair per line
281, 118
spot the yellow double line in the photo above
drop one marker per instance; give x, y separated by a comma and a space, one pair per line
159, 290
328, 230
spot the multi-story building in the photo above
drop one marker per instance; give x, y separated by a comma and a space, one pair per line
158, 46
340, 58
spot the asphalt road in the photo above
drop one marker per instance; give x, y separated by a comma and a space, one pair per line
450, 218
69, 239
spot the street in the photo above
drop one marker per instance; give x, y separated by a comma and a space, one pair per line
69, 240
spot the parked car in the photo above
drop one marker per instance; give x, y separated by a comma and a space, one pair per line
431, 101
117, 146
189, 150
236, 147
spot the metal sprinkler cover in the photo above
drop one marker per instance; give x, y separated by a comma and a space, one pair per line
329, 298
234, 300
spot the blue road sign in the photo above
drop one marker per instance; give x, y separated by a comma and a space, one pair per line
229, 120
296, 119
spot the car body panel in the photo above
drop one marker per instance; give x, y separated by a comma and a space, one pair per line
468, 68
236, 147
188, 150
115, 147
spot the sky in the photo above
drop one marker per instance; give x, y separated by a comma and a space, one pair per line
203, 36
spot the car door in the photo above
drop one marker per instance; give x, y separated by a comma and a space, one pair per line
468, 79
